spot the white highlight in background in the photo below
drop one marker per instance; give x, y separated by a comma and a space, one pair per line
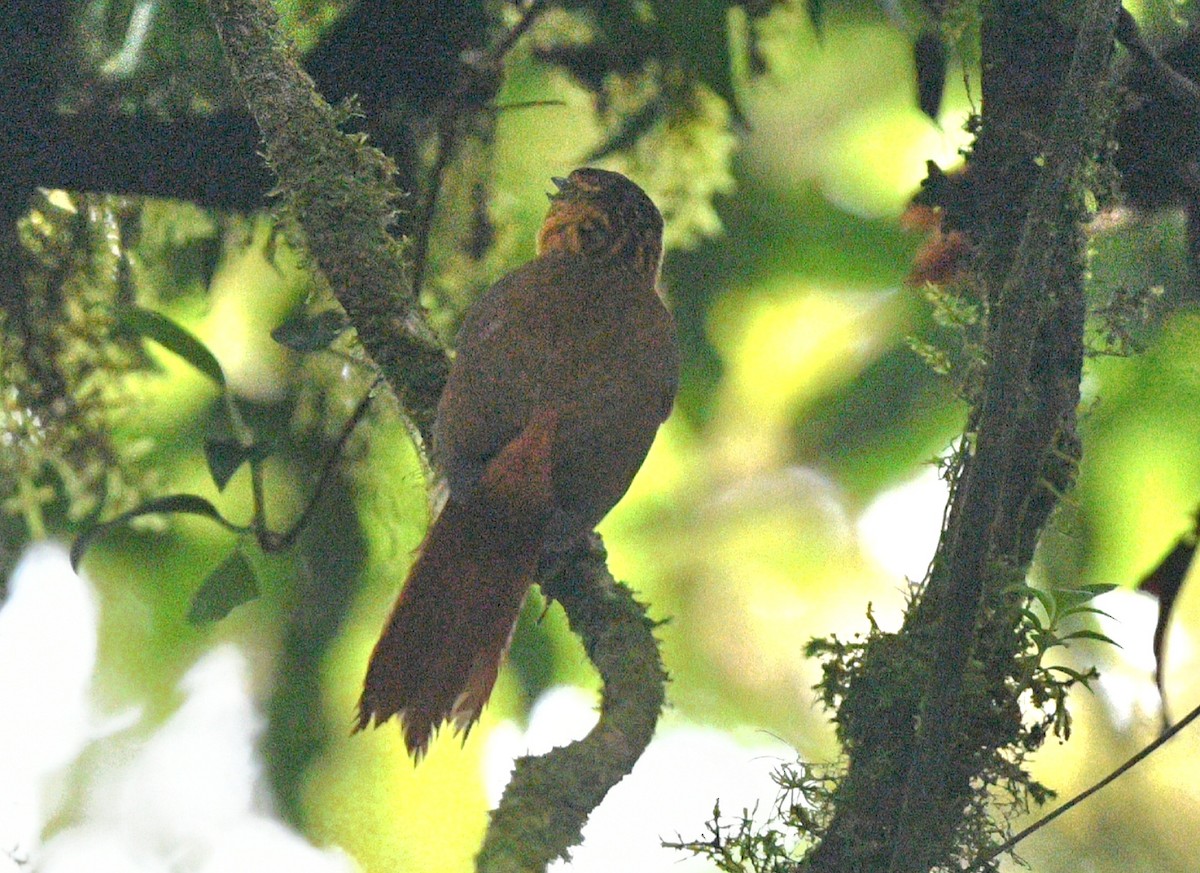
47, 657
900, 528
189, 798
668, 796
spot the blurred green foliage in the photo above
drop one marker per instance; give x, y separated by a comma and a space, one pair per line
802, 401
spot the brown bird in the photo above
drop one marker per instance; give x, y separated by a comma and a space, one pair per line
565, 370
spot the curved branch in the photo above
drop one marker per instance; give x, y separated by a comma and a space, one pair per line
544, 808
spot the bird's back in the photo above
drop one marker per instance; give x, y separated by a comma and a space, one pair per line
583, 336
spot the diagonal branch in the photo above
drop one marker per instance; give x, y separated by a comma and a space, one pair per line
340, 191
931, 713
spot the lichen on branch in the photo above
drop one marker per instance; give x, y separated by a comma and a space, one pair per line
340, 192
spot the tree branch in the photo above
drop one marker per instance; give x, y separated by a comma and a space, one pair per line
340, 191
931, 713
544, 808
991, 537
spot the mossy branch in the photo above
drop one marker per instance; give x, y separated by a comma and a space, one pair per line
340, 191
545, 806
931, 717
1034, 349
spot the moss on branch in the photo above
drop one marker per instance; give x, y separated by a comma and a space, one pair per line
545, 806
340, 191
916, 799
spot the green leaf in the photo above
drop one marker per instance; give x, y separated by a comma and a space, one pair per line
1085, 609
1034, 619
630, 130
1069, 598
226, 588
1071, 595
930, 60
182, 504
1091, 635
1045, 598
1098, 588
311, 333
1082, 678
156, 326
225, 457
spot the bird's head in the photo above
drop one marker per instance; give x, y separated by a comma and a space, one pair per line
602, 214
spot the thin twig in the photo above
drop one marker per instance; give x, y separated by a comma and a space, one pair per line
447, 145
484, 64
278, 542
505, 44
1084, 795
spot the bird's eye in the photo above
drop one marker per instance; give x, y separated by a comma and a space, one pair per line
591, 233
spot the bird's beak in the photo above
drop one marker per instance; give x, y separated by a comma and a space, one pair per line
561, 184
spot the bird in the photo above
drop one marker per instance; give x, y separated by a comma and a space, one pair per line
564, 370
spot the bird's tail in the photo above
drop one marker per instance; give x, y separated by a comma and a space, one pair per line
438, 658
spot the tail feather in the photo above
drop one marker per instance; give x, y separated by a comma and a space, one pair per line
439, 656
